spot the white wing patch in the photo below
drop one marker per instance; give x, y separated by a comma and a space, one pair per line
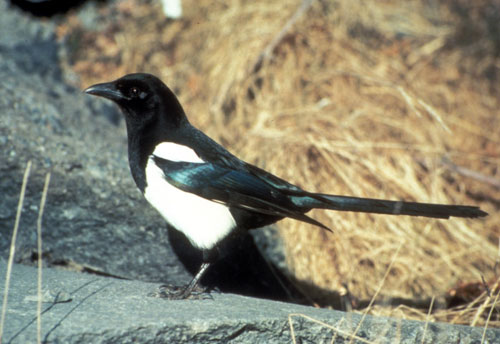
204, 222
176, 152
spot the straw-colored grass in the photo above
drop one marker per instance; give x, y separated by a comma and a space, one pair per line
372, 99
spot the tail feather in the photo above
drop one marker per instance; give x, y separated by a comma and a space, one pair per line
378, 206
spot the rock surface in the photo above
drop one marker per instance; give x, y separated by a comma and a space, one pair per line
94, 213
105, 310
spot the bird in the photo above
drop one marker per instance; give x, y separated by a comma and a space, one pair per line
209, 194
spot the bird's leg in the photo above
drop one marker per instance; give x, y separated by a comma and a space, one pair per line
194, 282
192, 290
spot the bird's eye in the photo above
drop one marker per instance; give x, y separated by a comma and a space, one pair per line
134, 92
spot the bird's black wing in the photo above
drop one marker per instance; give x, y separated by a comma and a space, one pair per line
211, 151
234, 188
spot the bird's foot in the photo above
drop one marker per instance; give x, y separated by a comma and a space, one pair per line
171, 292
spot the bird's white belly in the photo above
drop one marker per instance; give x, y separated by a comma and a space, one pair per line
204, 222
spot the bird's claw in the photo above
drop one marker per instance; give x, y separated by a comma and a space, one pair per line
171, 292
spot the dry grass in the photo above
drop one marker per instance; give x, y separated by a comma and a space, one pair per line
359, 98
12, 248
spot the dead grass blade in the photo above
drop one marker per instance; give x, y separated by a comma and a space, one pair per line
493, 306
333, 328
427, 319
268, 50
39, 248
377, 292
472, 174
12, 249
485, 304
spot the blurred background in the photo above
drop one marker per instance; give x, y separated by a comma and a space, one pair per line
380, 99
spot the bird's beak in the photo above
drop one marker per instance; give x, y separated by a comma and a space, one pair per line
106, 90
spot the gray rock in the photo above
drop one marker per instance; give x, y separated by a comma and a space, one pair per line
94, 216
94, 309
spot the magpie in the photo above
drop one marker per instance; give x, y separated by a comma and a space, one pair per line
207, 193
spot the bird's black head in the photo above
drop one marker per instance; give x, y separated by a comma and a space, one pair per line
143, 98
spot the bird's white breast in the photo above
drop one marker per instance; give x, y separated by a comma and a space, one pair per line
204, 222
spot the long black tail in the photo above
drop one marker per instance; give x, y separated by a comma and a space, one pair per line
378, 206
